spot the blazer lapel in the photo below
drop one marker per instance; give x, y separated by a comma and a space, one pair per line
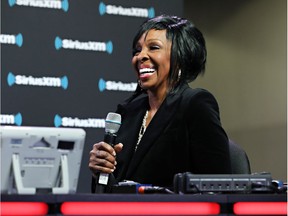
157, 125
129, 130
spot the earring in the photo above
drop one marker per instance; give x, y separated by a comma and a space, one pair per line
139, 83
179, 75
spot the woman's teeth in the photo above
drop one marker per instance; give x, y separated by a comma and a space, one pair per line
146, 70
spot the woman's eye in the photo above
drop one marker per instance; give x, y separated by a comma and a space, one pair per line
154, 47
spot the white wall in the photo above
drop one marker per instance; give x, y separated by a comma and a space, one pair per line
247, 72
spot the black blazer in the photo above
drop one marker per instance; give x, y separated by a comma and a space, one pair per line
185, 135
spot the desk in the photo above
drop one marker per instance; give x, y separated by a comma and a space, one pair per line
146, 204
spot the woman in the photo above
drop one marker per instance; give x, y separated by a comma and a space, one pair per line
167, 127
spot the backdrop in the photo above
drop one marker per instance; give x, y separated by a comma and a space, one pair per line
67, 63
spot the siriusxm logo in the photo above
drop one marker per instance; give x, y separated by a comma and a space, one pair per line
119, 10
76, 122
115, 86
55, 4
11, 119
12, 39
37, 81
90, 45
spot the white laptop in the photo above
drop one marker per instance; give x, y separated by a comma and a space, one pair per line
40, 159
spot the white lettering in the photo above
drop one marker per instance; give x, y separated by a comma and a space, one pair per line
56, 4
7, 119
7, 39
41, 81
90, 45
119, 10
76, 122
119, 86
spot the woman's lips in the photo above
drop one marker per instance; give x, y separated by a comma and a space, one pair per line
146, 72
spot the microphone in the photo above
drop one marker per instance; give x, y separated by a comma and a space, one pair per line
153, 189
112, 125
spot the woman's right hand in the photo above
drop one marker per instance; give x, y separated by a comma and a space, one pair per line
103, 157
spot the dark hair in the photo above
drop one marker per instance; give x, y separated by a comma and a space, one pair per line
188, 51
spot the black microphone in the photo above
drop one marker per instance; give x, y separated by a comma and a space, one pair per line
153, 189
112, 125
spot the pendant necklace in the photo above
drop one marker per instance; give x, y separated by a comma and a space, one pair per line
142, 129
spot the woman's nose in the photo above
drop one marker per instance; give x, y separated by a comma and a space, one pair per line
142, 55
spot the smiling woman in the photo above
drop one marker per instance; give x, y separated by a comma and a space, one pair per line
167, 127
152, 60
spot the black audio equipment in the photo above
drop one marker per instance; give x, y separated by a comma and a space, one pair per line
223, 183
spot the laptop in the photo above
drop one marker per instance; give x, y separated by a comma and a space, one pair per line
40, 159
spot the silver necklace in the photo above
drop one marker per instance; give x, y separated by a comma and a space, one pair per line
142, 129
